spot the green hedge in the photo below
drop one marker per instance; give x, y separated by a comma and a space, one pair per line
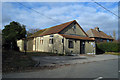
109, 46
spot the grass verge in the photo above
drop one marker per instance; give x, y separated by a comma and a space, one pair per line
113, 53
13, 61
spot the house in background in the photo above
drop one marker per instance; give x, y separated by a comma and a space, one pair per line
66, 38
99, 36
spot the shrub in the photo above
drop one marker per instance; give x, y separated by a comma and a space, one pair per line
109, 46
99, 51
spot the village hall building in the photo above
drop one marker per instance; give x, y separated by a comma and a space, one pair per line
66, 38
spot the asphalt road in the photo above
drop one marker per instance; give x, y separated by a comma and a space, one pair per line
105, 69
61, 60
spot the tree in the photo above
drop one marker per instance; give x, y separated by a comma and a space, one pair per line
0, 31
32, 31
11, 33
114, 34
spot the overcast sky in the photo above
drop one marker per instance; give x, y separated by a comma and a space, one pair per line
87, 14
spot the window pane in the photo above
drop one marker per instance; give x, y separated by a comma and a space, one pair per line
51, 35
51, 41
70, 44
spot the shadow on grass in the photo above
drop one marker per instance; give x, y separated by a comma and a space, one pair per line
13, 61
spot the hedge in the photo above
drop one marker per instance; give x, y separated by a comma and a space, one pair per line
109, 46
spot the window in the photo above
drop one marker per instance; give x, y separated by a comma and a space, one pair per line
70, 44
51, 35
111, 40
51, 41
101, 40
74, 27
41, 41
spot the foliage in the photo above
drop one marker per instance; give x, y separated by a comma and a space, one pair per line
99, 50
109, 46
32, 31
11, 33
0, 31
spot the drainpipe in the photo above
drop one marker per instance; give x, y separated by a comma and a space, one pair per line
25, 44
63, 45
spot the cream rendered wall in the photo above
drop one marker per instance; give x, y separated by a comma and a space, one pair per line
56, 47
75, 49
30, 44
20, 44
70, 30
40, 44
90, 47
37, 46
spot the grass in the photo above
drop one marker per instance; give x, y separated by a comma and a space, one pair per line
113, 53
13, 61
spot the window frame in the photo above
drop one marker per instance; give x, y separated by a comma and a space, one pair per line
70, 44
101, 40
51, 41
74, 26
108, 40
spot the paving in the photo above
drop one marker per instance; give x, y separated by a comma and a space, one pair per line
61, 60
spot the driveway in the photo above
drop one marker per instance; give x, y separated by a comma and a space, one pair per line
61, 60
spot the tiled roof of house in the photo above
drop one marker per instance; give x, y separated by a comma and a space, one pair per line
54, 29
51, 30
100, 34
76, 37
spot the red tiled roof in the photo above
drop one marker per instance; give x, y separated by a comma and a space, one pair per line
99, 34
54, 29
51, 30
76, 37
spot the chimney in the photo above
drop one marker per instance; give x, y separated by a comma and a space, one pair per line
97, 29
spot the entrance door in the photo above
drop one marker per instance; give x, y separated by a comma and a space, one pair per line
82, 47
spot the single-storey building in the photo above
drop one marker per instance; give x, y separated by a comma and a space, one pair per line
99, 35
66, 38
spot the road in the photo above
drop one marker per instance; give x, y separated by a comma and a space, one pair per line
61, 60
105, 69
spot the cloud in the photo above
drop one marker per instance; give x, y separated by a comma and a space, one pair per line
88, 15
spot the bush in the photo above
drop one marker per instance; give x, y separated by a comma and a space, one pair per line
109, 46
99, 51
